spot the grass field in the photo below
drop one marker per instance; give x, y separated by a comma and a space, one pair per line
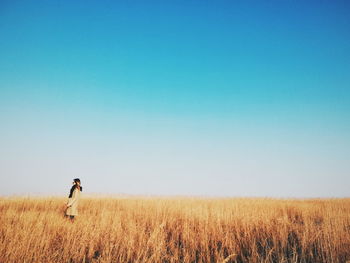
175, 230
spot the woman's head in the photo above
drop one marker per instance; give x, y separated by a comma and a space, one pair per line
76, 183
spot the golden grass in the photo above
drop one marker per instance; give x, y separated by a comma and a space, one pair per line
175, 230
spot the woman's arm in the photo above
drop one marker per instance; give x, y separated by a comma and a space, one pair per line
73, 199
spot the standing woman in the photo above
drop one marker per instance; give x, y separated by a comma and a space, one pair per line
73, 201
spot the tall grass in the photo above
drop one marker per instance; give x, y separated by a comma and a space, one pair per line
175, 230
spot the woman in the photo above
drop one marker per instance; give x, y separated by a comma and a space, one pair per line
74, 196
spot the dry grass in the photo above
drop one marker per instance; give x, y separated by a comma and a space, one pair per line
175, 230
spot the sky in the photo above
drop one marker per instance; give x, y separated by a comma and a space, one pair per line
195, 98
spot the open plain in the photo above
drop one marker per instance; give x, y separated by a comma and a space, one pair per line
136, 229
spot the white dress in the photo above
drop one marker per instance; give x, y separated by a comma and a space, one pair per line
73, 202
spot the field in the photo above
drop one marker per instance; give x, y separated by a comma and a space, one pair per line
175, 230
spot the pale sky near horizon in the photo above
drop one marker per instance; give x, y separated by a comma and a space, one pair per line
210, 98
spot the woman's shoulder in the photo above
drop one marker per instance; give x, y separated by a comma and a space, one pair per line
77, 190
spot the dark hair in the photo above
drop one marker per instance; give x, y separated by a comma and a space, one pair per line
77, 180
80, 188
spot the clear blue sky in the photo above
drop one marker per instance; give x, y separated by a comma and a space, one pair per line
219, 98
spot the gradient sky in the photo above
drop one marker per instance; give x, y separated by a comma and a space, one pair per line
213, 98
